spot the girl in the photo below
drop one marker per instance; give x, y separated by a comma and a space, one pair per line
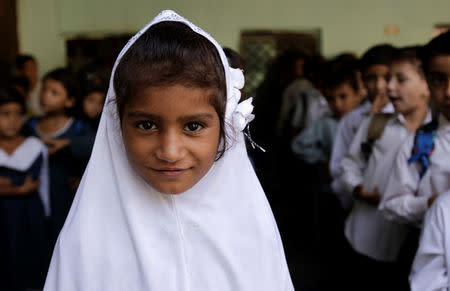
24, 200
169, 200
91, 105
69, 141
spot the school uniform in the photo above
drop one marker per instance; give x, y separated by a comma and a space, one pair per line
22, 218
64, 164
430, 270
289, 100
346, 131
310, 107
366, 228
122, 234
313, 145
407, 193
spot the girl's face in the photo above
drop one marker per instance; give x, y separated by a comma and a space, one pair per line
11, 119
54, 97
439, 82
93, 104
407, 89
171, 136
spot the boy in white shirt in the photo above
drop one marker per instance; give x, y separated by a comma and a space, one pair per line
412, 187
366, 169
374, 67
430, 267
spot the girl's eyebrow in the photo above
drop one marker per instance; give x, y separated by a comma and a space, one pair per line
146, 115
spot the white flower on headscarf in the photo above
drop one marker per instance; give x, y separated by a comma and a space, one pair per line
242, 113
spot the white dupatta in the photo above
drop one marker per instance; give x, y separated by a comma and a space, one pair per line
121, 234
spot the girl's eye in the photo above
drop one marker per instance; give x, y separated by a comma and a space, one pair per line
193, 126
146, 125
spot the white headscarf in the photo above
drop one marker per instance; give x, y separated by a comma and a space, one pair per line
121, 234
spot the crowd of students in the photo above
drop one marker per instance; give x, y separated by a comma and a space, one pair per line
380, 143
375, 130
47, 129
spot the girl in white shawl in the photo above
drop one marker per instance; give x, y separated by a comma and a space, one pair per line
169, 200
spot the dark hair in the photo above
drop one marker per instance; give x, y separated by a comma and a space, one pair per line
342, 69
22, 59
409, 54
170, 53
88, 88
67, 79
313, 69
234, 59
377, 55
20, 81
10, 95
438, 46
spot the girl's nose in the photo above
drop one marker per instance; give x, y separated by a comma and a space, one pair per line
171, 148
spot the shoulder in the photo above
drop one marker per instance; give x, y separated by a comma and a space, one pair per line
31, 123
34, 142
355, 116
79, 128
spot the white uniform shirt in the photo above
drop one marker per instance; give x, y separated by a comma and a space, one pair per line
348, 126
316, 108
406, 197
366, 229
430, 270
291, 97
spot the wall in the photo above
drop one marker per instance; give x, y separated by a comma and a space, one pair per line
40, 32
351, 25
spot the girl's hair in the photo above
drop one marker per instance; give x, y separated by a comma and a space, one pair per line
438, 46
171, 53
234, 59
409, 54
10, 95
67, 79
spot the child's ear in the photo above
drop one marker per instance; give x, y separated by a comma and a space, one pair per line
70, 102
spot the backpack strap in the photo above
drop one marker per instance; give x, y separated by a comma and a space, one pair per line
375, 131
423, 146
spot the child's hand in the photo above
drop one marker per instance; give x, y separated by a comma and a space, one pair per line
5, 181
431, 199
370, 197
378, 103
29, 186
55, 144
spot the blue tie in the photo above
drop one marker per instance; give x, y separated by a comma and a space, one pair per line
423, 146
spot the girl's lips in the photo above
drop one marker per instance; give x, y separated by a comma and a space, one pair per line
170, 172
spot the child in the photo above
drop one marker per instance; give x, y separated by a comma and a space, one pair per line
313, 145
422, 170
430, 270
366, 169
69, 141
26, 66
169, 200
374, 66
24, 200
412, 188
91, 105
